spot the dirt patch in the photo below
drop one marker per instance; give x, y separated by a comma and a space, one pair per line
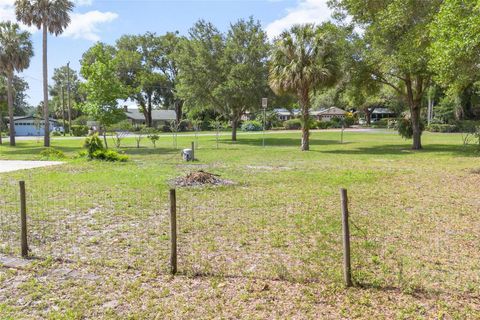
200, 178
475, 171
268, 168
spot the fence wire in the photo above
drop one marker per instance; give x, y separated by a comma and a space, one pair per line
222, 232
111, 225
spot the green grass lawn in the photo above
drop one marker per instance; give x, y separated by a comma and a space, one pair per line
268, 246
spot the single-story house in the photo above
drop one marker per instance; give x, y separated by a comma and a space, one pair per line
285, 114
159, 117
381, 113
328, 114
320, 115
31, 125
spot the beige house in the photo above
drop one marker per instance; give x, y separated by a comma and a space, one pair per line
328, 114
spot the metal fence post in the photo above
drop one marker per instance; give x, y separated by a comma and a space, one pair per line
347, 269
173, 232
193, 151
23, 219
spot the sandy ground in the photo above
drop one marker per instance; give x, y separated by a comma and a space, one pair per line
14, 165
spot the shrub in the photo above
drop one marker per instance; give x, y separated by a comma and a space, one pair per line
79, 130
382, 123
52, 153
435, 127
324, 124
93, 144
56, 134
80, 121
405, 129
152, 135
336, 122
252, 125
109, 155
292, 124
468, 126
349, 119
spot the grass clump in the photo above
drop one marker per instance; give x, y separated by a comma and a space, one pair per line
52, 153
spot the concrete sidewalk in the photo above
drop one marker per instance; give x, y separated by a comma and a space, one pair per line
14, 165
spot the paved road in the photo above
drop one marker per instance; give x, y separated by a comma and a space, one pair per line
14, 165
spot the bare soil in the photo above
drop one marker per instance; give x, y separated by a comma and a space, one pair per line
201, 178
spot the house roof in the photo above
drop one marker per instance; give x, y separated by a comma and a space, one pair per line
383, 111
28, 117
286, 112
328, 111
136, 114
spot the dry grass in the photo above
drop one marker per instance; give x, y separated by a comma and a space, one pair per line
267, 247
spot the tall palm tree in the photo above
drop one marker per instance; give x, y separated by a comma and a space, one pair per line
17, 50
52, 16
302, 61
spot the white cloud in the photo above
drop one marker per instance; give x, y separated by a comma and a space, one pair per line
306, 11
83, 2
7, 10
85, 25
7, 13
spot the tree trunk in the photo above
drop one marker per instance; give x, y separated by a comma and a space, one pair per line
417, 132
368, 117
414, 105
10, 107
46, 139
149, 112
234, 129
105, 137
69, 102
304, 104
178, 109
63, 110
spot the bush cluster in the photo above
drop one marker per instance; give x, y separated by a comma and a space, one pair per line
436, 127
292, 124
79, 130
52, 153
335, 122
466, 126
252, 125
109, 155
405, 128
95, 150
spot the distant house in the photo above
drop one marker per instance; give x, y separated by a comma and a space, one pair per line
328, 114
285, 114
159, 117
31, 125
381, 113
320, 115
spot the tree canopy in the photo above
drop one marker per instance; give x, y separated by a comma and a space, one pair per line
227, 73
304, 61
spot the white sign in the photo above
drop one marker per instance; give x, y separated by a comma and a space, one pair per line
264, 103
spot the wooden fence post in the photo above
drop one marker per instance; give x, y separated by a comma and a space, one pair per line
23, 219
173, 231
347, 268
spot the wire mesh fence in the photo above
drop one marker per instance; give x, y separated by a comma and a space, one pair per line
263, 237
108, 224
120, 226
224, 232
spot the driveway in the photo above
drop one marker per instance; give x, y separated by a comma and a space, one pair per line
14, 165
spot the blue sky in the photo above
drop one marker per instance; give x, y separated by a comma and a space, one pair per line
107, 20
